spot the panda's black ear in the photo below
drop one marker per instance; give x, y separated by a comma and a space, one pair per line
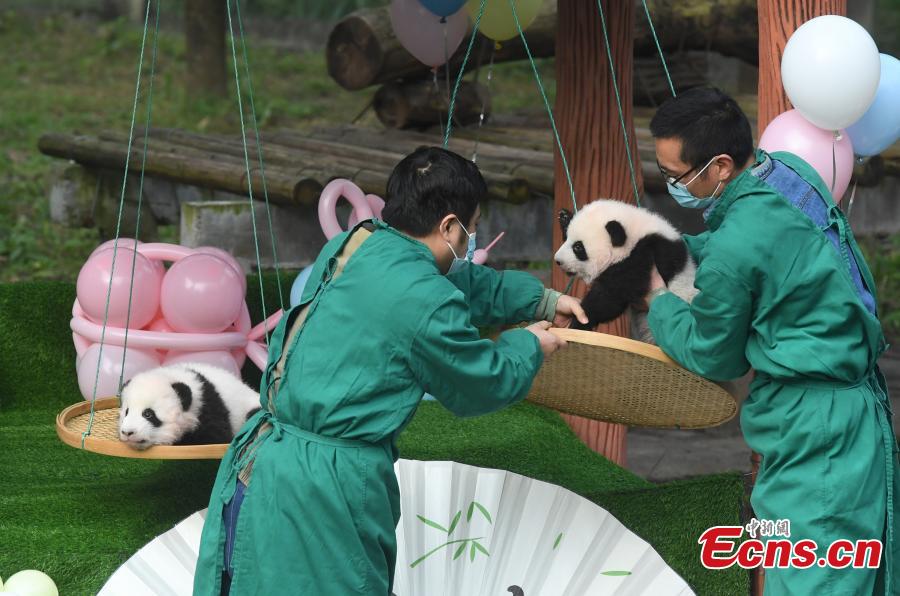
616, 233
565, 217
184, 394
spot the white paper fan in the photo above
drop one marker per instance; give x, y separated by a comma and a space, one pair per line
463, 530
164, 566
468, 530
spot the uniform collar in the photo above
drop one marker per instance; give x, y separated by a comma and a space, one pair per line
715, 213
416, 245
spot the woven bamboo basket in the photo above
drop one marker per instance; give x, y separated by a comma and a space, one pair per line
72, 422
616, 379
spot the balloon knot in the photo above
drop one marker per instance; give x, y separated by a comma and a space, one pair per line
498, 46
444, 20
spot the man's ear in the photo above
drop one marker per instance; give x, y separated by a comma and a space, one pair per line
444, 226
726, 166
565, 217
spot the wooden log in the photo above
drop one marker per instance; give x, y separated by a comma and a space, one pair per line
420, 104
191, 169
362, 49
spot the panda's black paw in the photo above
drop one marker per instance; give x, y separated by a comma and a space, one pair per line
576, 324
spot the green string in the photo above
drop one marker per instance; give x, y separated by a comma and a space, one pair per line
462, 70
662, 58
612, 76
540, 84
262, 169
137, 89
237, 84
137, 225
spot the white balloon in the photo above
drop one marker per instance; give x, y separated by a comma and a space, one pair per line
31, 583
830, 71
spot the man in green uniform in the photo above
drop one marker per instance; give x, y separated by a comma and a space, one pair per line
785, 290
390, 312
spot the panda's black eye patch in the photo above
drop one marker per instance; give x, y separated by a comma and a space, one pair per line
150, 415
580, 252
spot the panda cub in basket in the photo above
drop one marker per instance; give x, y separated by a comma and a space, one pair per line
184, 404
612, 246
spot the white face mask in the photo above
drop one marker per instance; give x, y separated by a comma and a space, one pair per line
459, 262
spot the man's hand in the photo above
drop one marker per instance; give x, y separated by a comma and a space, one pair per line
566, 308
549, 342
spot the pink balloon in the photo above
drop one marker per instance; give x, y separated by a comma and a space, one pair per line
421, 32
156, 340
376, 204
791, 132
123, 243
228, 258
136, 361
328, 199
94, 281
160, 325
201, 294
242, 326
221, 359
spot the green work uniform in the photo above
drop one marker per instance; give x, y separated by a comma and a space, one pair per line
777, 295
320, 513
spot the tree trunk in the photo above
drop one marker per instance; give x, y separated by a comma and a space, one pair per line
594, 144
420, 105
778, 19
205, 36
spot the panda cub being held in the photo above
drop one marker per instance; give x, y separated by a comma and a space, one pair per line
184, 404
613, 246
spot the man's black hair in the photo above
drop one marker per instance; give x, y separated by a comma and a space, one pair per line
708, 123
429, 184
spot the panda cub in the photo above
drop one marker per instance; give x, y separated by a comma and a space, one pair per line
184, 404
612, 246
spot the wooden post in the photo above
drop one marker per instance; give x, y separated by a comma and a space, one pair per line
778, 19
592, 138
204, 31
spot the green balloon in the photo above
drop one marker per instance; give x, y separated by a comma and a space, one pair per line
498, 22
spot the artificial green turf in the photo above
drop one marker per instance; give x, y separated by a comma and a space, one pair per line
77, 516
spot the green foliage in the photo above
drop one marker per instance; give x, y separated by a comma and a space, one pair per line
883, 256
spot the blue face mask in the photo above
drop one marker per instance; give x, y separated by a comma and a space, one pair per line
680, 192
470, 251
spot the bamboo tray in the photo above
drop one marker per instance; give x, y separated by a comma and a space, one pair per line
72, 422
616, 379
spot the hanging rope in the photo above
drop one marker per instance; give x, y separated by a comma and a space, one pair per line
540, 84
462, 70
612, 76
140, 199
487, 93
662, 58
262, 168
237, 84
137, 90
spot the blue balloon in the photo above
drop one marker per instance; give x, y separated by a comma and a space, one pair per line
443, 8
879, 127
299, 284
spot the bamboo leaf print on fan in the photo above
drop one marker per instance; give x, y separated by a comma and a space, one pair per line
615, 573
557, 541
434, 525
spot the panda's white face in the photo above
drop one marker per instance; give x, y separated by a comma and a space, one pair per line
153, 412
595, 239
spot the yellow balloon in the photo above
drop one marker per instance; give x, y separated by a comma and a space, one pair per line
498, 22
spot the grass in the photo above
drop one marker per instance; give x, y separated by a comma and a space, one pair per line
77, 516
